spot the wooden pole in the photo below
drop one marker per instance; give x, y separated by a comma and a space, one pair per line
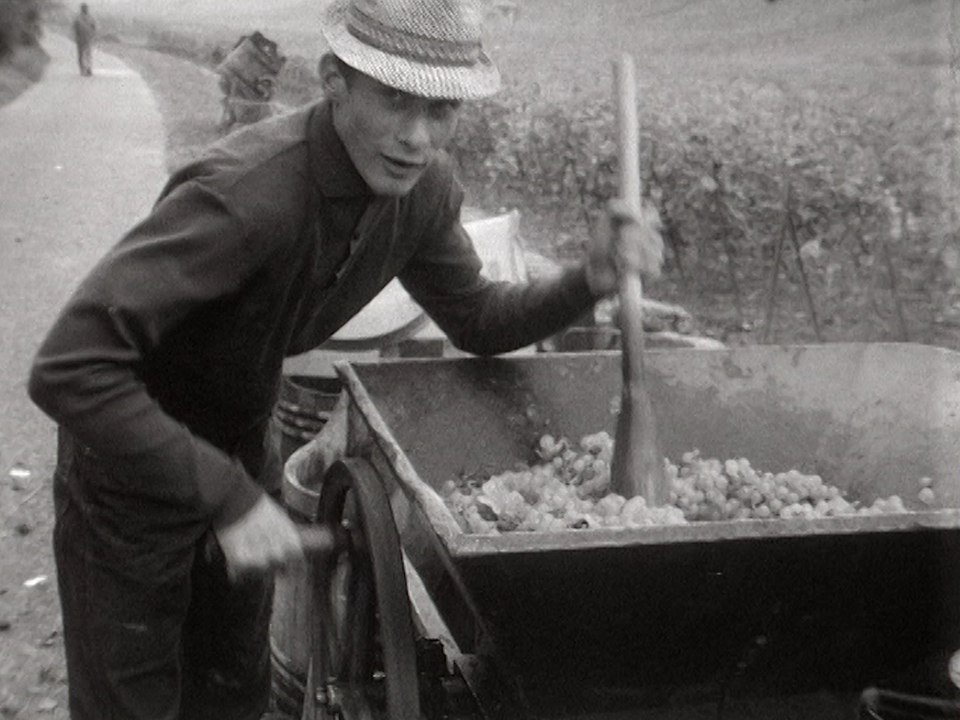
637, 467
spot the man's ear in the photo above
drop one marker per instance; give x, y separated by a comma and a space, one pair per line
332, 81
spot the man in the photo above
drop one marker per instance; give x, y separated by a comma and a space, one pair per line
84, 32
163, 368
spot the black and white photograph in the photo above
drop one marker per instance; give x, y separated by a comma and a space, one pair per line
480, 360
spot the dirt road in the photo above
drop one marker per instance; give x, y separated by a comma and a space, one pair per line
81, 159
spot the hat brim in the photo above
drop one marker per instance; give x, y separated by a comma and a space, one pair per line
441, 82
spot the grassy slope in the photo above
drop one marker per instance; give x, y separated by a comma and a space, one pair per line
850, 50
883, 58
886, 58
863, 49
188, 96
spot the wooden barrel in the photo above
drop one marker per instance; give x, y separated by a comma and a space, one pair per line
303, 408
304, 405
289, 625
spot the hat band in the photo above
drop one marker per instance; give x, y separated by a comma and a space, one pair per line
395, 41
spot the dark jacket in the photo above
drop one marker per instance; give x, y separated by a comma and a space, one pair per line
84, 29
164, 366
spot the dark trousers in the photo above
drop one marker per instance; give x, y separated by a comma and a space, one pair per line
153, 628
85, 58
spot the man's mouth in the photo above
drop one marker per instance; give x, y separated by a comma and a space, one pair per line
402, 166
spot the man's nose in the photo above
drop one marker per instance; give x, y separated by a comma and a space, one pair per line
417, 131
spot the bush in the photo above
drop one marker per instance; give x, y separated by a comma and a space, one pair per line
869, 221
19, 25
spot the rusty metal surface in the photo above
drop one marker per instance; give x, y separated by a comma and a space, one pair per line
870, 419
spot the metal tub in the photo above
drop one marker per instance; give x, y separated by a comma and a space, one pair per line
708, 614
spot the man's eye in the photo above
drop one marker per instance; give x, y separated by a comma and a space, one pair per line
396, 98
443, 109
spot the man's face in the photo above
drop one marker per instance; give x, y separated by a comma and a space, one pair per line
391, 136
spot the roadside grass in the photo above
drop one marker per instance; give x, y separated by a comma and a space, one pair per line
187, 94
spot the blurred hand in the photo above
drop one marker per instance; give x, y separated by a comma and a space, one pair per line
263, 539
641, 249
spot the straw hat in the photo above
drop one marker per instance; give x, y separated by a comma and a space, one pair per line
430, 48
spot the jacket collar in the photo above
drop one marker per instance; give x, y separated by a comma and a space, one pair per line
334, 171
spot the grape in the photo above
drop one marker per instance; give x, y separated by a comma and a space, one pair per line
569, 489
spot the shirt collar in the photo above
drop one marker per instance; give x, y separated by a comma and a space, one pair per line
336, 174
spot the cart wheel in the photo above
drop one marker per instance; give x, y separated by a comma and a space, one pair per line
364, 663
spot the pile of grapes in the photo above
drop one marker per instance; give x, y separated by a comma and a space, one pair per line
570, 489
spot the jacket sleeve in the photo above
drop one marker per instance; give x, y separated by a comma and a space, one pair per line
188, 252
481, 316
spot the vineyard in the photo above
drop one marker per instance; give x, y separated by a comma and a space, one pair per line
802, 157
807, 188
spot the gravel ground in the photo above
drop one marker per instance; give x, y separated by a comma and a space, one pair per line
33, 680
32, 671
53, 225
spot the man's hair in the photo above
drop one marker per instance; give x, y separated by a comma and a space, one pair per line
348, 72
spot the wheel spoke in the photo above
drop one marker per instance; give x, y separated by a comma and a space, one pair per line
366, 658
357, 641
338, 629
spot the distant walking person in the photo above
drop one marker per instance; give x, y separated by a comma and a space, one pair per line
84, 31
